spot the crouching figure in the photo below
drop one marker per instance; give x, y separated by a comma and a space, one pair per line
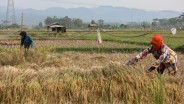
166, 57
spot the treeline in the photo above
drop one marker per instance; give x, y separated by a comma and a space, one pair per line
76, 23
177, 22
66, 21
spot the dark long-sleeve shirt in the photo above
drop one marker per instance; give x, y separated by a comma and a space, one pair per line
27, 41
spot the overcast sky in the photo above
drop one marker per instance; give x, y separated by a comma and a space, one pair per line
175, 5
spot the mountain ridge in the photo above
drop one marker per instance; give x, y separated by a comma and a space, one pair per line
109, 14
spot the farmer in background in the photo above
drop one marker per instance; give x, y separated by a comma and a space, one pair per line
166, 57
26, 41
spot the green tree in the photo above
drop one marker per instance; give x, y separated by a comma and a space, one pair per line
40, 24
93, 22
155, 23
48, 21
100, 23
67, 22
77, 23
145, 24
122, 26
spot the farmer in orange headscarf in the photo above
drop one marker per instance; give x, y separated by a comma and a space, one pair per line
166, 57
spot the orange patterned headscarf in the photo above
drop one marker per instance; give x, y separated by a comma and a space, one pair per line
157, 41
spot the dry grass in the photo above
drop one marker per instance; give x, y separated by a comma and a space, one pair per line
85, 78
17, 56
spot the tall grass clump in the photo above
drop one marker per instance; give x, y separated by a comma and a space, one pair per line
16, 56
11, 56
37, 55
159, 94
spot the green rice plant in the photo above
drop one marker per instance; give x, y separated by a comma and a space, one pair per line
97, 50
159, 94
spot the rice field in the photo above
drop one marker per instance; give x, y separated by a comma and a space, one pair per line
46, 76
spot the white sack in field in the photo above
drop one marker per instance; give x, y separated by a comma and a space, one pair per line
173, 31
99, 36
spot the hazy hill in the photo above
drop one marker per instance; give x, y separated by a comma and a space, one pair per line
107, 13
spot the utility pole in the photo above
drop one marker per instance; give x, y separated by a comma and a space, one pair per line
10, 13
22, 21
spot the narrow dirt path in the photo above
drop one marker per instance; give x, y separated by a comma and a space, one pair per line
4, 36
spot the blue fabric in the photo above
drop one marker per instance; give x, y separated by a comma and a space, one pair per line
27, 42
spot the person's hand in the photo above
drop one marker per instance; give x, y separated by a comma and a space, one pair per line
147, 71
151, 68
131, 61
32, 46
